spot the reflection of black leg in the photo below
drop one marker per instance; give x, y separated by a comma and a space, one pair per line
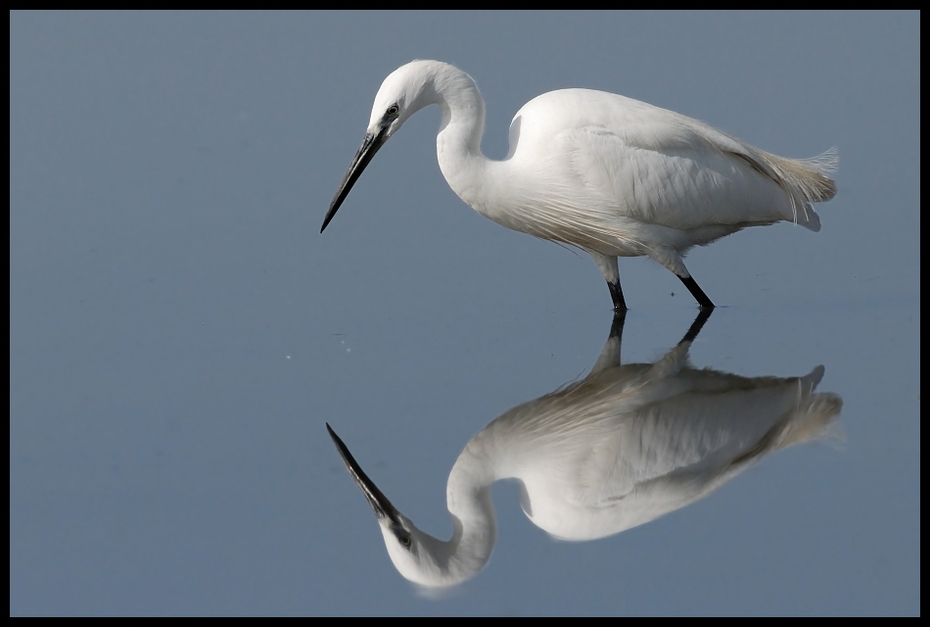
697, 292
617, 295
697, 325
616, 327
610, 354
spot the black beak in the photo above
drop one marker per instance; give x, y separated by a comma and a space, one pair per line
370, 145
379, 503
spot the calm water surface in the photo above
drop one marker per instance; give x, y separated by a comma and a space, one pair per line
180, 332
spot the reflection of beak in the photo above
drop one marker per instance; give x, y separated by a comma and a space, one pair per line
366, 151
377, 500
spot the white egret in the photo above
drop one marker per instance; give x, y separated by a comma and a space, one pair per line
621, 447
610, 175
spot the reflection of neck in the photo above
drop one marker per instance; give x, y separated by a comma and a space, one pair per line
468, 498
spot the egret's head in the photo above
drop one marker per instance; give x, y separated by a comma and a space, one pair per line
405, 91
416, 555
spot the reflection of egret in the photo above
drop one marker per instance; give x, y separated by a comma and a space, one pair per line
619, 448
610, 175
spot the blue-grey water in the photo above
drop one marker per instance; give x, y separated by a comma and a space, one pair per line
180, 331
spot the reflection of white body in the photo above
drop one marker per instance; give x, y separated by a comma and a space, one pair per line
608, 174
623, 446
631, 443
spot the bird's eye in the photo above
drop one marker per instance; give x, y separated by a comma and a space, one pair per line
404, 540
393, 109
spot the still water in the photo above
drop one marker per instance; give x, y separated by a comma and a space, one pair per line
181, 334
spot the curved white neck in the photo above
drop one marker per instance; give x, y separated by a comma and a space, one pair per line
458, 143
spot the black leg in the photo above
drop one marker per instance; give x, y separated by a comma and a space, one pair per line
697, 325
617, 295
697, 292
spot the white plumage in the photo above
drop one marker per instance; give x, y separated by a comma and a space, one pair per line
610, 175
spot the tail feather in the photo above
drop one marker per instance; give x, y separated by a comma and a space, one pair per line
806, 181
812, 418
815, 412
